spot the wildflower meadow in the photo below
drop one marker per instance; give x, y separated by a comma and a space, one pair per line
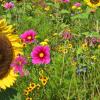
49, 49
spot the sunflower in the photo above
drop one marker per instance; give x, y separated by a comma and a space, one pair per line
10, 47
93, 3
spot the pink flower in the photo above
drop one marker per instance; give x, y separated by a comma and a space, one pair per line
94, 40
66, 1
77, 4
40, 55
98, 40
67, 35
18, 64
9, 5
28, 36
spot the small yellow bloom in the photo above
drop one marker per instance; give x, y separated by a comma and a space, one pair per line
43, 80
38, 86
65, 51
43, 43
93, 57
55, 34
79, 8
74, 7
28, 98
32, 85
30, 89
99, 46
47, 8
46, 40
70, 46
84, 46
26, 92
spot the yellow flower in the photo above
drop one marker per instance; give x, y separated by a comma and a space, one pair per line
79, 8
70, 46
26, 92
46, 40
47, 8
55, 34
32, 85
85, 46
8, 79
92, 3
28, 98
93, 57
43, 43
43, 80
38, 86
65, 51
99, 46
10, 47
74, 7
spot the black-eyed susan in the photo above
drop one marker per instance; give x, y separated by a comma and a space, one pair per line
28, 98
43, 80
92, 3
10, 47
26, 92
65, 50
38, 86
32, 86
84, 46
29, 89
70, 46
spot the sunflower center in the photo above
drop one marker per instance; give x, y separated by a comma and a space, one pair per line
6, 55
41, 55
94, 1
0, 57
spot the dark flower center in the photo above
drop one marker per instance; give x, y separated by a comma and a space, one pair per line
94, 1
6, 55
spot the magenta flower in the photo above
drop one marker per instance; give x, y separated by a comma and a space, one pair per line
66, 1
41, 55
77, 4
18, 64
9, 5
28, 36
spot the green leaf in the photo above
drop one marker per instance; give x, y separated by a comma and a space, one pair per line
81, 16
63, 11
79, 51
91, 34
